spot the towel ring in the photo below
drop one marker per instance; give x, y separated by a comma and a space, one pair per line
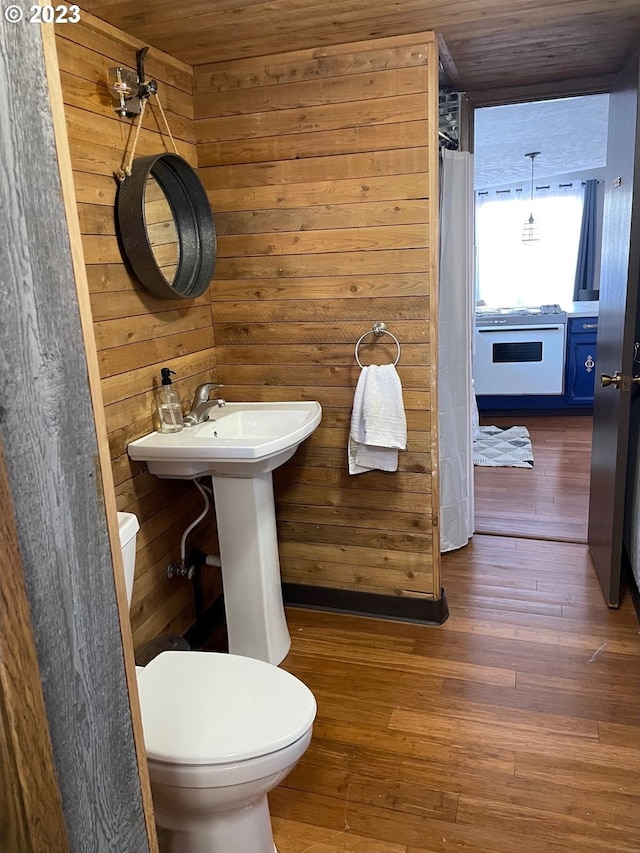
378, 330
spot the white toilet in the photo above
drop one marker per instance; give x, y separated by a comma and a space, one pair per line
220, 732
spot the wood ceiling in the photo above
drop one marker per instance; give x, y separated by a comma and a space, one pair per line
495, 50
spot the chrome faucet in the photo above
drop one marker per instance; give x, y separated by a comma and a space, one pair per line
202, 405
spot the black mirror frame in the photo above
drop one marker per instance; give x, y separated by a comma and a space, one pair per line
194, 225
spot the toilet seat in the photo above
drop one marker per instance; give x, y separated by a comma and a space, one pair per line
207, 708
228, 775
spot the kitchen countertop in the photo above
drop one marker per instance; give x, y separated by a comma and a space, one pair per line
581, 309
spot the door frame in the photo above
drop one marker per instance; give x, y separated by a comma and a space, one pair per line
58, 466
466, 134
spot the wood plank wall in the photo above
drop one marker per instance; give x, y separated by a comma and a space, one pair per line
31, 816
321, 166
135, 333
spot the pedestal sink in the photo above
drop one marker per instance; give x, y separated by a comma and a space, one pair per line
239, 447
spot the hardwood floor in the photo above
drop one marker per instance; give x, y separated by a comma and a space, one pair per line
513, 727
548, 501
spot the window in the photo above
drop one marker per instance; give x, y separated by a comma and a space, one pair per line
512, 273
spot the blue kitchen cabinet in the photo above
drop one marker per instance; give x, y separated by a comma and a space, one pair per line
581, 360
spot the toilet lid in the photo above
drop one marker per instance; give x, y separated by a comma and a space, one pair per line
211, 708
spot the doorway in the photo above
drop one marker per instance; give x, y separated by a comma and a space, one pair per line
549, 500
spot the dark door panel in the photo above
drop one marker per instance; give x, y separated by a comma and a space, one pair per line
616, 332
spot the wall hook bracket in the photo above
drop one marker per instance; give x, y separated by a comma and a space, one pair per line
129, 88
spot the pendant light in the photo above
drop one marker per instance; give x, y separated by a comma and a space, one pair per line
530, 233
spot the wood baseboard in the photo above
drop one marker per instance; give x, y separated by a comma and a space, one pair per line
209, 632
400, 608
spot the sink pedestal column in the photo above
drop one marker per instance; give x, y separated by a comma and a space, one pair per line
245, 512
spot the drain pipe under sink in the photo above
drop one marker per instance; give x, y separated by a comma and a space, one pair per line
197, 557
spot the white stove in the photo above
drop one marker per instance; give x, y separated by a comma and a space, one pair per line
519, 351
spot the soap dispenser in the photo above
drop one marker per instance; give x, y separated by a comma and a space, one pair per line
169, 406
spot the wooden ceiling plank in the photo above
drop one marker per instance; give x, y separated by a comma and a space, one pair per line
153, 19
133, 10
258, 46
541, 91
99, 5
556, 20
491, 45
535, 63
266, 41
542, 73
199, 15
594, 29
449, 65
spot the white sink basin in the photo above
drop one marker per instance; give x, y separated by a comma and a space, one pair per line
239, 440
239, 446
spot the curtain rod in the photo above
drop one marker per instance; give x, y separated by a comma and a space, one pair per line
538, 187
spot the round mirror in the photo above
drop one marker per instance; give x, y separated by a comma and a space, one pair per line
165, 227
161, 229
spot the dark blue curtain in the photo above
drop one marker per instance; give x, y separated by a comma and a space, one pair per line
586, 266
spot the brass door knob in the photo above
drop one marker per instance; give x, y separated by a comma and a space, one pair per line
636, 380
615, 380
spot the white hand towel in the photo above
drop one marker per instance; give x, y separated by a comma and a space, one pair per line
378, 421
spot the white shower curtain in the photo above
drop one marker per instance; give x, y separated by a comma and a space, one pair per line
455, 327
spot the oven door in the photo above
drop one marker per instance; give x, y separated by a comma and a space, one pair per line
519, 360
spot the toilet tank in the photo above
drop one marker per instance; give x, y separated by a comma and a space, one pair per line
128, 528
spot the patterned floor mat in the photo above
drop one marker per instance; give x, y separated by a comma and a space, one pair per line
496, 448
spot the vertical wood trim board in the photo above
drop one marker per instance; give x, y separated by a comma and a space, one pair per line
135, 333
52, 462
104, 461
322, 169
31, 818
434, 276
